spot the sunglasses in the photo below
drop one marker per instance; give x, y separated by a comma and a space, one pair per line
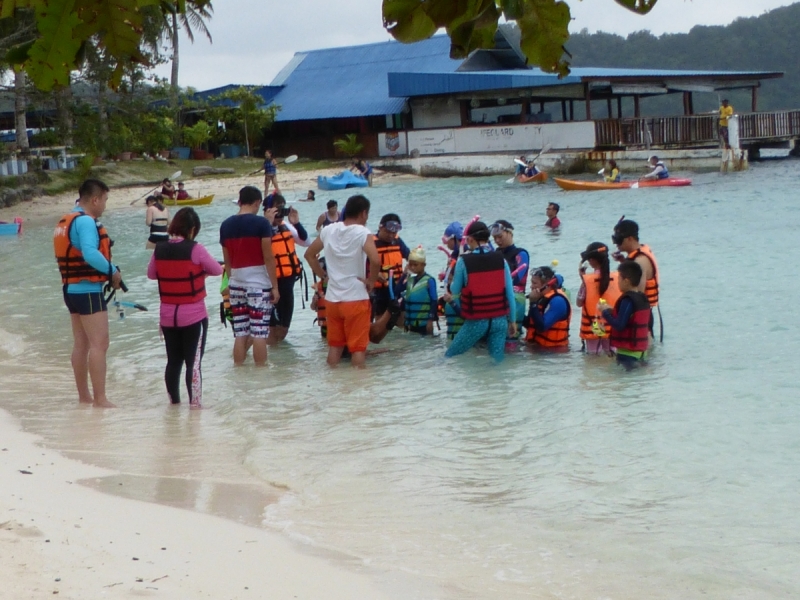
392, 226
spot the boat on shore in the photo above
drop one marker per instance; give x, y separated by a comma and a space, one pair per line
12, 228
572, 185
540, 177
203, 200
342, 181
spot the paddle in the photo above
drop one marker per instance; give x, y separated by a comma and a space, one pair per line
175, 175
288, 160
544, 149
601, 171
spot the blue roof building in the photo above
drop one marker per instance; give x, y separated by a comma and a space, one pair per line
387, 87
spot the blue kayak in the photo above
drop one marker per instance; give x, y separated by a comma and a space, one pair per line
342, 181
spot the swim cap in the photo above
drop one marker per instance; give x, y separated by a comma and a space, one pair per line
417, 255
454, 230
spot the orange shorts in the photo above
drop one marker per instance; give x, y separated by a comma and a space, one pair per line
348, 324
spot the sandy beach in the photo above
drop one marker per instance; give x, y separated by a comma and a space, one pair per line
58, 536
294, 185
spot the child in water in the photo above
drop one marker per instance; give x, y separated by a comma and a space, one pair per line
420, 297
630, 318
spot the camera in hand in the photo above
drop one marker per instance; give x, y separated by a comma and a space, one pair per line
283, 212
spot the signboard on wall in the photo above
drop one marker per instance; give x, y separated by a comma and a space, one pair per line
392, 143
503, 138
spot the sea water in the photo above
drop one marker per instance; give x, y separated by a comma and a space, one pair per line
548, 476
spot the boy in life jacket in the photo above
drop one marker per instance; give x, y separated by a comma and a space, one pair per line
420, 297
547, 324
392, 251
483, 281
518, 261
630, 318
318, 300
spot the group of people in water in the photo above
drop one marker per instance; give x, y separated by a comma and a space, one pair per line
365, 285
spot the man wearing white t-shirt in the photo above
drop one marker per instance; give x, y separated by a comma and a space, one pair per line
348, 246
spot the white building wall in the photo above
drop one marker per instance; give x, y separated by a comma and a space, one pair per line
503, 138
437, 112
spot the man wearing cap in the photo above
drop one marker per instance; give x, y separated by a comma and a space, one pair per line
483, 281
626, 238
330, 216
517, 259
392, 251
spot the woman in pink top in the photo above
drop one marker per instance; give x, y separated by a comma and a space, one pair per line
181, 267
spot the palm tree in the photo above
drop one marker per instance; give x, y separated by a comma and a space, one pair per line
191, 20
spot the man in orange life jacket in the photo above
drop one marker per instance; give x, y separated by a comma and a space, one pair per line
626, 238
392, 251
630, 318
483, 280
547, 324
289, 233
83, 252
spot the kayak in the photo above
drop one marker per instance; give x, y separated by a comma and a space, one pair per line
189, 201
591, 186
540, 177
342, 181
12, 228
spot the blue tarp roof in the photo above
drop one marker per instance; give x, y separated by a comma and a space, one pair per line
353, 81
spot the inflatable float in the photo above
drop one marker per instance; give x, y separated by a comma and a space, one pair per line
342, 181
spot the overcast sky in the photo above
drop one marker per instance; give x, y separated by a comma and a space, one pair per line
254, 39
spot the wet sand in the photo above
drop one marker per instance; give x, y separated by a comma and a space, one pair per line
59, 536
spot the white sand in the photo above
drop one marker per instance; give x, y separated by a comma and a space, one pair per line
294, 185
58, 537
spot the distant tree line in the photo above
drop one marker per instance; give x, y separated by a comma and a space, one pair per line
764, 43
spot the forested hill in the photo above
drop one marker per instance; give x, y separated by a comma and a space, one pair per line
765, 43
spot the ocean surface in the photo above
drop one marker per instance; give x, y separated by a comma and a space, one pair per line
545, 477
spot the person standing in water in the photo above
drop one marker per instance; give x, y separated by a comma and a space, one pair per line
553, 222
181, 266
482, 281
157, 219
630, 318
83, 253
518, 261
596, 286
330, 216
348, 245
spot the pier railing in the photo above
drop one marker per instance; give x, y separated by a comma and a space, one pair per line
656, 131
694, 131
778, 125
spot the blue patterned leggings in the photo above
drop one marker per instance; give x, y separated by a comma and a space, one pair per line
474, 330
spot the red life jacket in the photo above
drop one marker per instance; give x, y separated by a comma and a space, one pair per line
484, 296
635, 336
180, 281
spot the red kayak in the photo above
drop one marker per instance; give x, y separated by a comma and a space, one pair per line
591, 186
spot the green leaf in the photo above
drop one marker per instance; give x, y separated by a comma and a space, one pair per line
17, 55
52, 55
544, 32
638, 6
407, 20
119, 23
512, 9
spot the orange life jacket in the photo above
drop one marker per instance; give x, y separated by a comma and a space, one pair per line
70, 260
635, 336
484, 296
651, 287
391, 260
558, 334
592, 283
321, 319
180, 281
287, 264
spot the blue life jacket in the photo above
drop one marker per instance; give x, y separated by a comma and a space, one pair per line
663, 174
419, 305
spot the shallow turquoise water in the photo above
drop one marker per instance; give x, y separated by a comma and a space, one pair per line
546, 477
